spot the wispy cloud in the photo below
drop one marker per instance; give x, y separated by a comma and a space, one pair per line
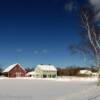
44, 51
40, 51
96, 4
36, 51
70, 6
98, 17
19, 50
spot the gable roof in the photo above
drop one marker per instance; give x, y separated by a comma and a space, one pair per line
11, 67
46, 67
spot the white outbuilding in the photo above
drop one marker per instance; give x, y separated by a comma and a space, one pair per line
33, 74
85, 72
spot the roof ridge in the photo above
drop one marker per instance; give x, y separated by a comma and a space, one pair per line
11, 67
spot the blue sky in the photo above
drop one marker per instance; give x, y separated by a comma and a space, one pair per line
39, 31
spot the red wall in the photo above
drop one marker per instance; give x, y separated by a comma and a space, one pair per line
17, 68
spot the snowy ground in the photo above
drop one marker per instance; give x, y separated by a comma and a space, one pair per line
49, 89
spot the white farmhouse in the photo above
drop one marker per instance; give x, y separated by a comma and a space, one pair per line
44, 71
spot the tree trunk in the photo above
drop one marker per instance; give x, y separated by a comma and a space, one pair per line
98, 67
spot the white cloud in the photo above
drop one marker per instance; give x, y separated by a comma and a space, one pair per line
98, 17
19, 50
70, 6
96, 4
36, 51
44, 50
40, 51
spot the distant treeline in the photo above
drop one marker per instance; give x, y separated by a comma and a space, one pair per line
67, 71
73, 70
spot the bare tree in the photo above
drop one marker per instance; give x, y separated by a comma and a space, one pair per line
90, 41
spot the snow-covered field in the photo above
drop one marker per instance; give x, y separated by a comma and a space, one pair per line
49, 89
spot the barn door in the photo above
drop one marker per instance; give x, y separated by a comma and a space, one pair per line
18, 74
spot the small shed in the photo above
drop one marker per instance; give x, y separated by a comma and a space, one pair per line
33, 74
14, 70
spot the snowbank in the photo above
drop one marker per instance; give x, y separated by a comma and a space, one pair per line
62, 79
70, 88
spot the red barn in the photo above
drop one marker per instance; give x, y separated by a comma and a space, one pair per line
15, 70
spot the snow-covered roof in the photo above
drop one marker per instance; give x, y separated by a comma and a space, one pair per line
32, 73
46, 67
85, 72
11, 67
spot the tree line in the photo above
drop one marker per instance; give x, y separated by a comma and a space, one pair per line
66, 71
73, 71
